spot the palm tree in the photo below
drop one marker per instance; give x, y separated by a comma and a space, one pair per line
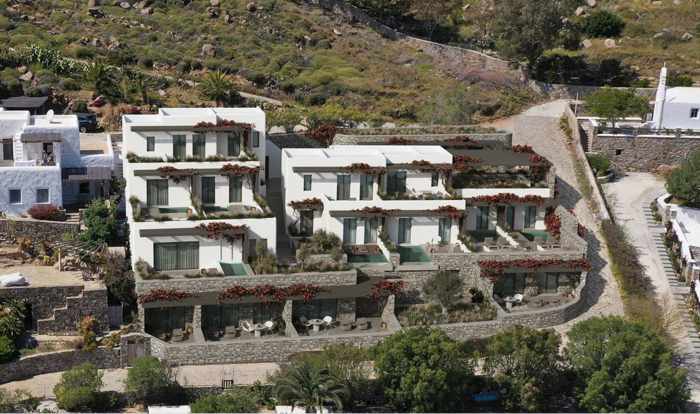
309, 386
101, 78
218, 87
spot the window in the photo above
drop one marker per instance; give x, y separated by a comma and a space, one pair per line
208, 190
349, 231
404, 230
42, 195
434, 179
157, 192
366, 187
176, 256
509, 284
694, 113
530, 217
256, 139
482, 218
235, 189
179, 147
16, 196
150, 144
234, 145
548, 282
506, 217
306, 223
371, 226
618, 152
307, 182
445, 229
343, 187
84, 188
7, 150
396, 182
198, 145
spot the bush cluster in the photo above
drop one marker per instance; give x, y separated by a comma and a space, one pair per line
46, 212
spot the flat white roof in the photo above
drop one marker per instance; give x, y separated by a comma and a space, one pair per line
683, 94
373, 155
689, 220
191, 116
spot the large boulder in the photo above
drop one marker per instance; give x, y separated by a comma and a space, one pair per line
208, 50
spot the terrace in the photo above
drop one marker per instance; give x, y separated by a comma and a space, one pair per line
234, 211
500, 239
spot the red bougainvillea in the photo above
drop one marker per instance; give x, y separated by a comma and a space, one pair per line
382, 289
581, 230
307, 204
173, 173
448, 211
507, 198
221, 125
270, 293
399, 141
234, 169
324, 134
364, 168
492, 268
374, 212
164, 295
526, 149
462, 141
552, 222
219, 229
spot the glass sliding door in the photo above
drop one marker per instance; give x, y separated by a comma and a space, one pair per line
371, 226
179, 148
157, 192
7, 150
306, 223
234, 145
396, 182
510, 217
366, 187
208, 190
405, 230
235, 189
176, 256
350, 231
530, 217
343, 187
198, 146
445, 229
482, 218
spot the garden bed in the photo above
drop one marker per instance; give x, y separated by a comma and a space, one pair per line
429, 314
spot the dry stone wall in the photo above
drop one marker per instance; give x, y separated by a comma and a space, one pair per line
644, 153
11, 229
38, 364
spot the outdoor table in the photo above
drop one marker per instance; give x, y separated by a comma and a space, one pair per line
316, 324
509, 303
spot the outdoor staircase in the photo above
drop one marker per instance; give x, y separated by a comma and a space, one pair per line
48, 325
73, 217
680, 292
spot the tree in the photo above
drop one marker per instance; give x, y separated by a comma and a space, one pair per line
287, 118
526, 364
217, 87
431, 13
309, 386
347, 365
602, 23
450, 106
11, 318
422, 370
684, 182
78, 389
119, 279
624, 366
18, 401
599, 163
526, 28
148, 381
101, 79
444, 288
237, 400
613, 104
8, 351
100, 218
679, 79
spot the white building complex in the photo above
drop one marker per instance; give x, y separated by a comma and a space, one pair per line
675, 107
192, 174
42, 162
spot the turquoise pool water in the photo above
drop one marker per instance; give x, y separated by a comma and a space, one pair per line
413, 254
234, 269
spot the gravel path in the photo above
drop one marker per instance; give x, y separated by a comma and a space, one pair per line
539, 128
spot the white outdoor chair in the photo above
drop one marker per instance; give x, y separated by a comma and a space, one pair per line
269, 325
518, 298
247, 327
328, 320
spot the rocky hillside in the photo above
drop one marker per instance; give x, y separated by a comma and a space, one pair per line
282, 49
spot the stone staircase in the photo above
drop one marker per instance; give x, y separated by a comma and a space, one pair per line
690, 358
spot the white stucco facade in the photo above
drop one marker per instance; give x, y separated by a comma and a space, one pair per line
676, 107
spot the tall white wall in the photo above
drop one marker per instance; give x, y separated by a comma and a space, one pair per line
29, 180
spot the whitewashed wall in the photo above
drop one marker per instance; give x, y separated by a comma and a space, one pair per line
29, 179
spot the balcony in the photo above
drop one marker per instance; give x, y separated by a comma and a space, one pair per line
489, 241
398, 205
415, 195
234, 211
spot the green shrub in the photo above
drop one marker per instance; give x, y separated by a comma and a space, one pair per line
444, 288
100, 221
237, 400
599, 163
78, 389
148, 381
679, 79
8, 352
602, 23
18, 401
12, 318
683, 182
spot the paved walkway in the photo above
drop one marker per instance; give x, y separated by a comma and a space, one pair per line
187, 375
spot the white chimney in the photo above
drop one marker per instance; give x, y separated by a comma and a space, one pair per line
660, 99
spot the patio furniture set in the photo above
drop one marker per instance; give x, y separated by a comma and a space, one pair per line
247, 327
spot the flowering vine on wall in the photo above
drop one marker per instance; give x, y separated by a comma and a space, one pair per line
269, 293
164, 295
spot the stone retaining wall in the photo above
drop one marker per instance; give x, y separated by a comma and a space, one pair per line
11, 229
644, 152
217, 284
33, 365
348, 138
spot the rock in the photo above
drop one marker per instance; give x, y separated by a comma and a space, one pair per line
213, 12
580, 11
591, 3
208, 50
300, 128
27, 76
658, 35
252, 7
125, 5
657, 3
389, 125
337, 32
686, 37
162, 93
22, 69
93, 3
146, 11
228, 18
215, 3
586, 43
609, 43
96, 13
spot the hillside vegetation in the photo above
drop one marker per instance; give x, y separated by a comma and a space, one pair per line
275, 48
